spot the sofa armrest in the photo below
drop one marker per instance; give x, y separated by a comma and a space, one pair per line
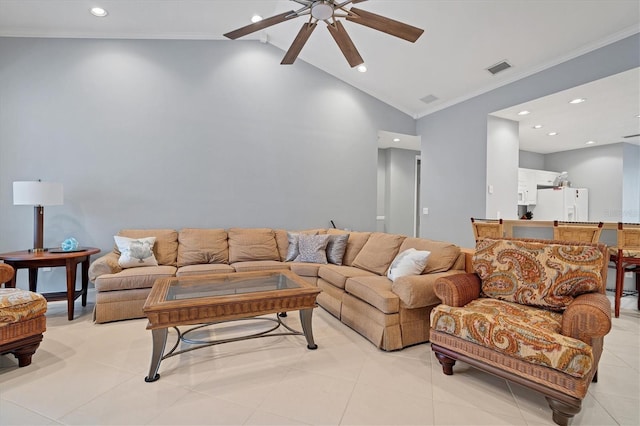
417, 291
107, 264
458, 290
588, 316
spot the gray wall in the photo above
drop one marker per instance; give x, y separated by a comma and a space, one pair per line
503, 144
598, 168
382, 190
157, 133
531, 160
400, 180
631, 183
454, 140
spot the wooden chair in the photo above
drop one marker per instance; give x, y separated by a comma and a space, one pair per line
626, 258
487, 228
584, 232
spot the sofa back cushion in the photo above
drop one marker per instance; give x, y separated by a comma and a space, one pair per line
166, 247
443, 255
538, 273
378, 252
355, 243
201, 246
247, 244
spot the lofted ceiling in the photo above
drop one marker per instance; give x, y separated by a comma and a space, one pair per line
447, 64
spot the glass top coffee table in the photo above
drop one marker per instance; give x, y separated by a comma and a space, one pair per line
204, 300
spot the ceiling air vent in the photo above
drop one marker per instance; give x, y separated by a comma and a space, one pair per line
429, 98
500, 66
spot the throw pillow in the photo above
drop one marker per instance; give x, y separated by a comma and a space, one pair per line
409, 262
312, 248
336, 248
537, 273
292, 250
136, 252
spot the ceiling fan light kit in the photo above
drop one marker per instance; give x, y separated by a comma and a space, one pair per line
329, 11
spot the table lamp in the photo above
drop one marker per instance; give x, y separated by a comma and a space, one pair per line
37, 194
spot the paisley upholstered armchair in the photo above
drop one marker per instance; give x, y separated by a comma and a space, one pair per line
22, 319
534, 312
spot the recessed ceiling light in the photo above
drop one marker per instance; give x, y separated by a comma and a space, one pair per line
552, 133
256, 18
638, 116
99, 12
524, 112
577, 101
589, 142
362, 68
396, 139
538, 126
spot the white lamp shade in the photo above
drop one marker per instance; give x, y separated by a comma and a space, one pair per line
37, 193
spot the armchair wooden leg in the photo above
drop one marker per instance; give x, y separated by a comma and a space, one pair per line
563, 412
446, 362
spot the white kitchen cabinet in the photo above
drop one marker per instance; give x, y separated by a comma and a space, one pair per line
527, 187
545, 178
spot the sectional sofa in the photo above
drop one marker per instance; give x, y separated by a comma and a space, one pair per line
351, 271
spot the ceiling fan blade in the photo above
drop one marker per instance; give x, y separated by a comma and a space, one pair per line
260, 25
384, 24
345, 44
298, 43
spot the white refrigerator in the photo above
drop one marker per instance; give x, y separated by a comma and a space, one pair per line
562, 203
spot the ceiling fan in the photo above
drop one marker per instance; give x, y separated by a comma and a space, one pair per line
329, 11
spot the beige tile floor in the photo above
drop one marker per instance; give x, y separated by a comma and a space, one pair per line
92, 374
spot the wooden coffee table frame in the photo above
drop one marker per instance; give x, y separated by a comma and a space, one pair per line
204, 311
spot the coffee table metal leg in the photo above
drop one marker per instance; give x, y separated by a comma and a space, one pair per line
305, 319
159, 336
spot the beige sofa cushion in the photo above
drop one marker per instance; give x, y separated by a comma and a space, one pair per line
356, 241
337, 275
259, 265
378, 252
131, 278
374, 290
443, 255
166, 247
205, 269
248, 244
198, 246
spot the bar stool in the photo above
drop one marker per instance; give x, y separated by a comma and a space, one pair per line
487, 228
584, 232
626, 258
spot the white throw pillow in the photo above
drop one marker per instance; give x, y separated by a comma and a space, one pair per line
136, 252
409, 262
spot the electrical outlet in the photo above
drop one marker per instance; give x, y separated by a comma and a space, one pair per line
628, 274
47, 269
425, 210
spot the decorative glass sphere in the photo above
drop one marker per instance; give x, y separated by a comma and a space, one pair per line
69, 244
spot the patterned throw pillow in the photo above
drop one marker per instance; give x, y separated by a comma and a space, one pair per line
312, 248
292, 250
336, 248
409, 262
540, 274
136, 252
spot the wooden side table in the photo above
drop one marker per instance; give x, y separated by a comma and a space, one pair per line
70, 260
